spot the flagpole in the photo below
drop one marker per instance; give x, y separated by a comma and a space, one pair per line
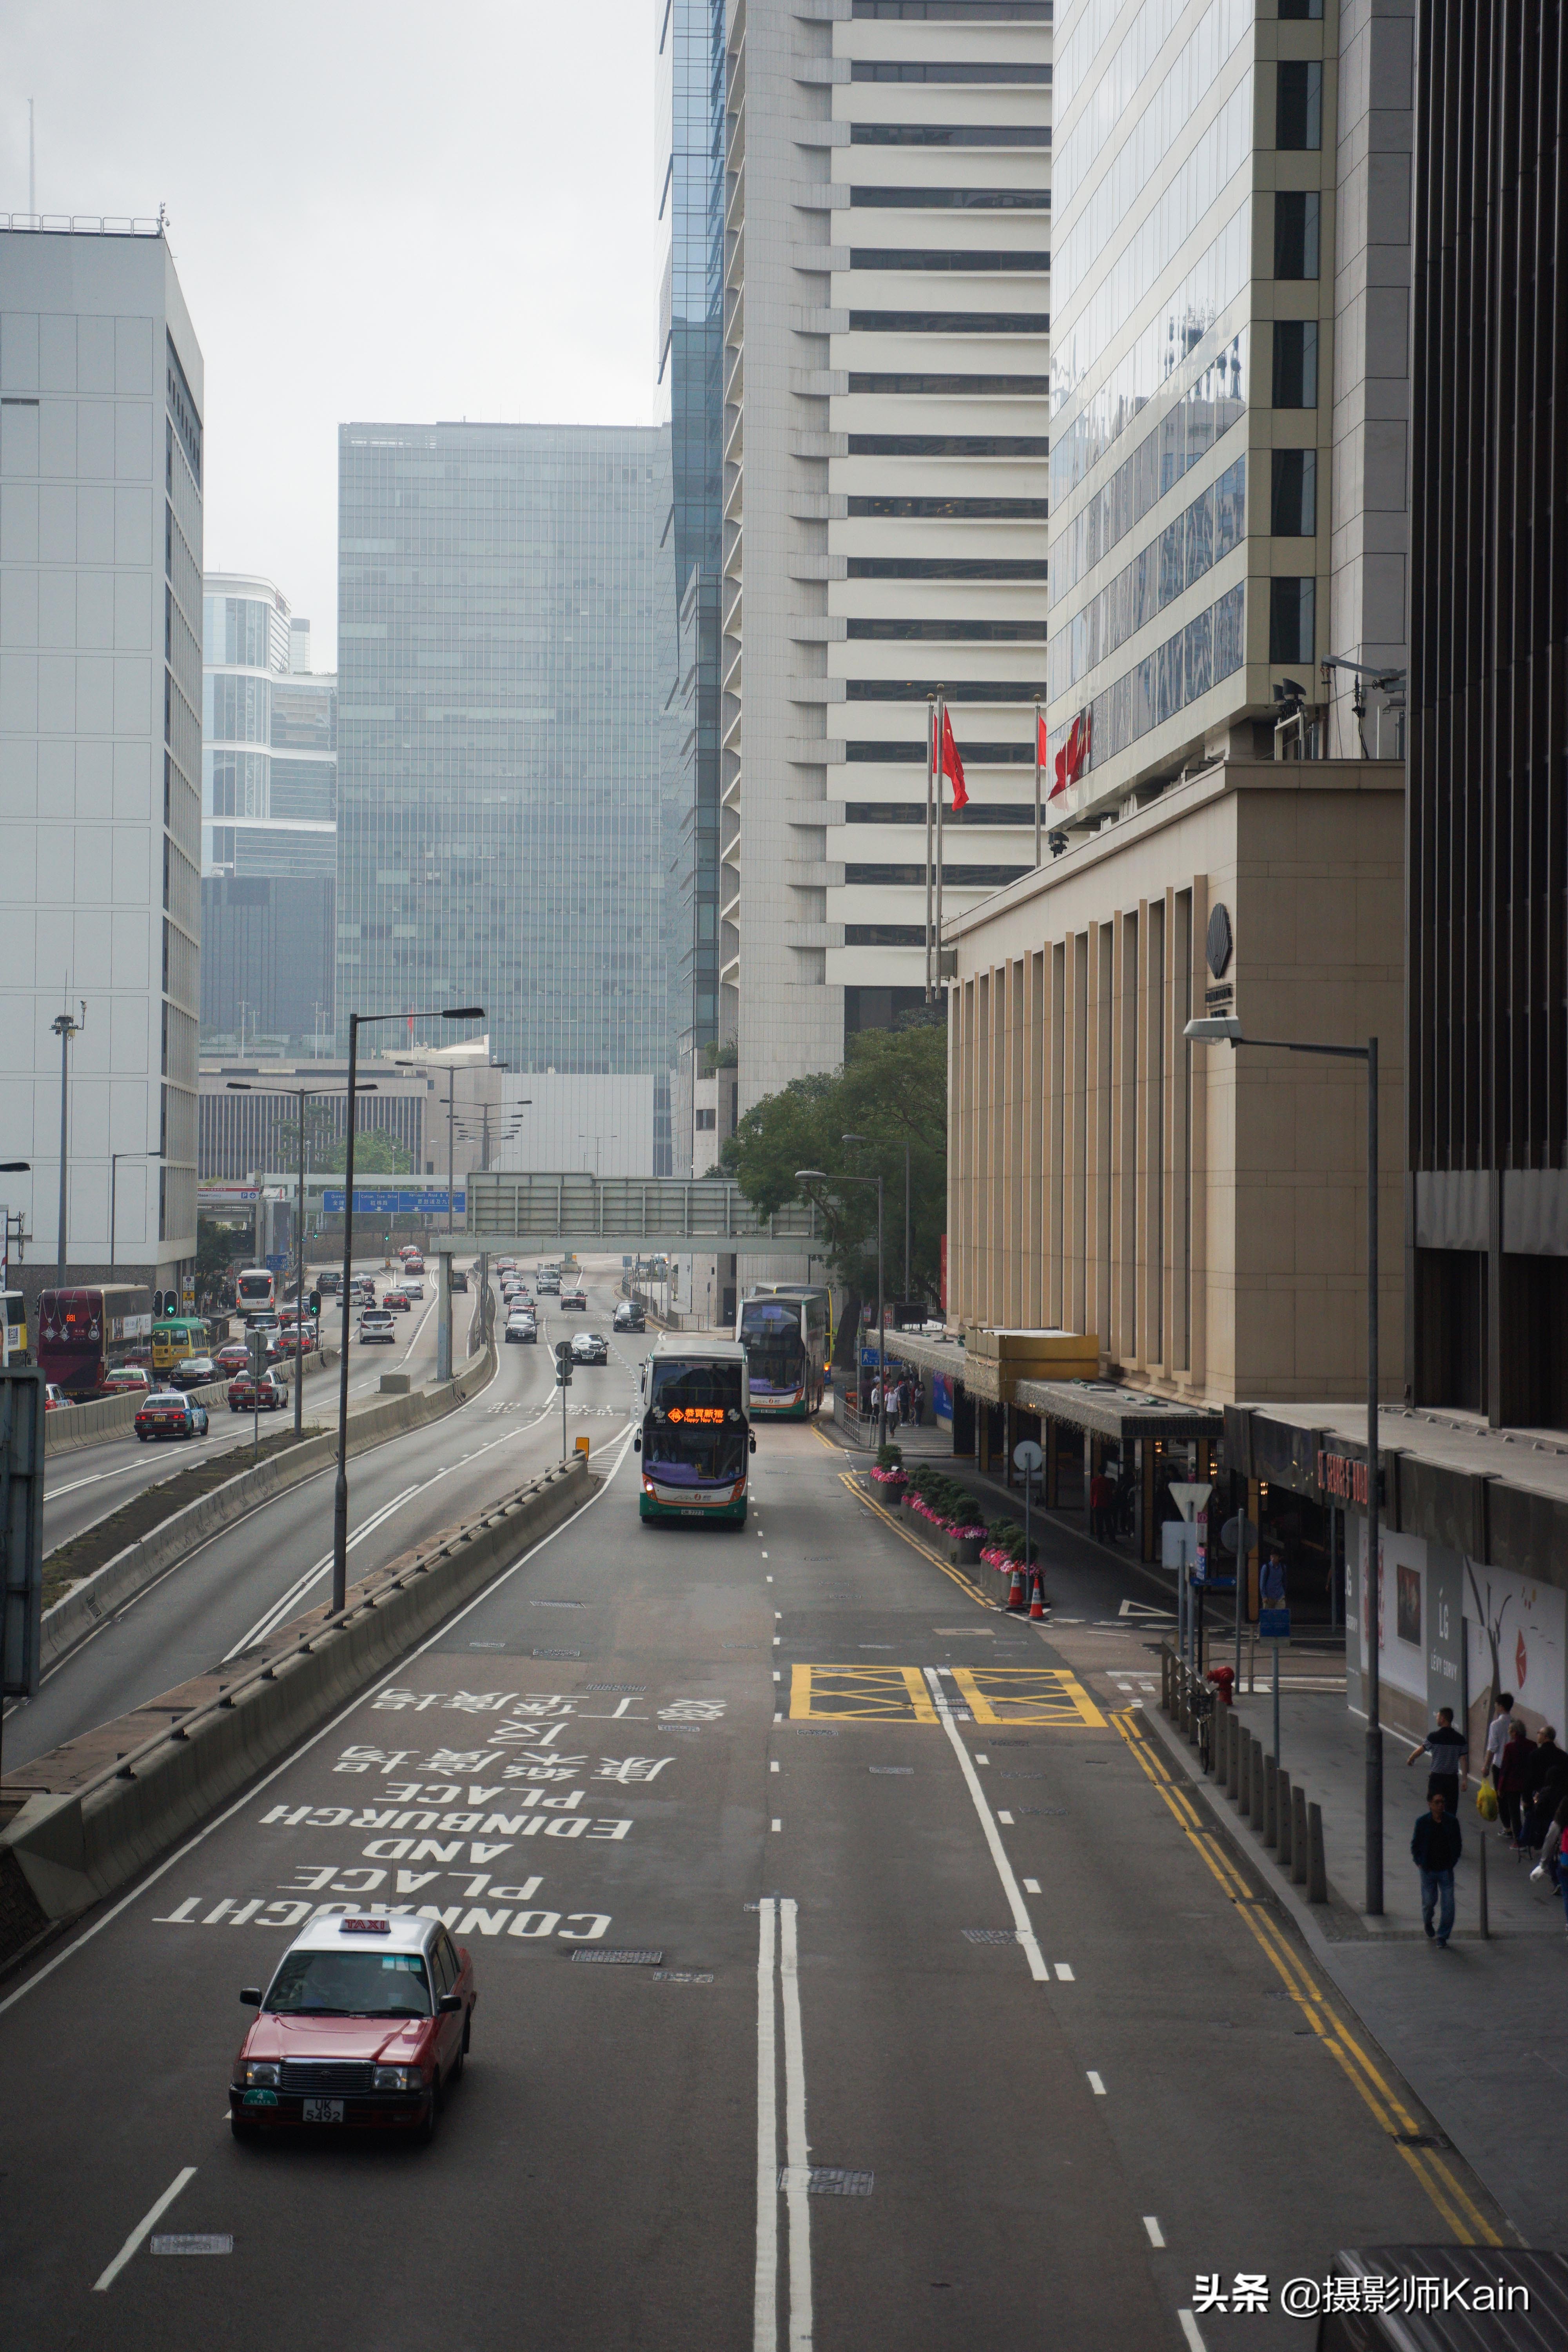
941, 740
931, 771
1036, 779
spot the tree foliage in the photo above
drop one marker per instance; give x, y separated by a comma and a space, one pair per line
376, 1153
892, 1090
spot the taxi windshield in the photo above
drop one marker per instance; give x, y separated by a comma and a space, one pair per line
349, 1984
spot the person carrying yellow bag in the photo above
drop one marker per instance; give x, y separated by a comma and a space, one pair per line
1486, 1801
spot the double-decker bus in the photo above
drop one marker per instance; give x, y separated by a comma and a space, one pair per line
696, 1430
178, 1336
787, 1330
255, 1291
84, 1333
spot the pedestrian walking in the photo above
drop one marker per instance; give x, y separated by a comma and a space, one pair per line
1102, 1502
1271, 1580
1512, 1781
1450, 1761
1435, 1847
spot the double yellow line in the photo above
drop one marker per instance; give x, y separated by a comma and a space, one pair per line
1458, 2210
887, 1519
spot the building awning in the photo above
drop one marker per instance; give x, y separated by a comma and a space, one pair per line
1108, 1410
981, 1375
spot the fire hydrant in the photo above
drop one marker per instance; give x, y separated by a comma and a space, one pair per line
1224, 1681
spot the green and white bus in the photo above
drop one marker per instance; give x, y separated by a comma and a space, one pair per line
696, 1438
787, 1330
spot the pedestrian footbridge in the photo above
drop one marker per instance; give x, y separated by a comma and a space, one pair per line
638, 1214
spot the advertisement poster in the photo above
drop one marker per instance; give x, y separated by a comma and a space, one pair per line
1520, 1623
1402, 1609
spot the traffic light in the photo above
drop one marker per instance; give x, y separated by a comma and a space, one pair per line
316, 1304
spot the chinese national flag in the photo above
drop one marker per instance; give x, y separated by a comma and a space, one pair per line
1042, 756
952, 766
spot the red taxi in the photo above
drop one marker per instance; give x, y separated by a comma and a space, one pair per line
269, 1394
365, 2024
397, 1300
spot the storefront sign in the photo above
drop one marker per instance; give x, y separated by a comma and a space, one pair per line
1343, 1480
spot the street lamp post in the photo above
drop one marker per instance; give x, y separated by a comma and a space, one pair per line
341, 1491
65, 1027
820, 1176
299, 1095
1225, 1030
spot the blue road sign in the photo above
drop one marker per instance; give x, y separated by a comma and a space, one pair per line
393, 1203
1274, 1624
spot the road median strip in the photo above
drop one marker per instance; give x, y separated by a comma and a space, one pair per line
141, 1562
95, 1811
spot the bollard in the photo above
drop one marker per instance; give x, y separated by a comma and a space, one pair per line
1299, 1837
1232, 1761
1270, 1800
1287, 1822
1256, 1792
1217, 1744
1164, 1679
1317, 1869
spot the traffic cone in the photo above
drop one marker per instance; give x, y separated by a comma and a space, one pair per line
1037, 1598
1015, 1596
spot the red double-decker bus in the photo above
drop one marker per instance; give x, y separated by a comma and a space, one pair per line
83, 1334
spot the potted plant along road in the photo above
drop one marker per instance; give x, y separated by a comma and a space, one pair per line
888, 1471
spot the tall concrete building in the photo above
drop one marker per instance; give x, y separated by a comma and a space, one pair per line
885, 492
503, 833
1230, 386
268, 825
100, 690
690, 154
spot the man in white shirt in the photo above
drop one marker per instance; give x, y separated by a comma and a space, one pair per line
1497, 1733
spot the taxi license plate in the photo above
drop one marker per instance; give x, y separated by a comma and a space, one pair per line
322, 2111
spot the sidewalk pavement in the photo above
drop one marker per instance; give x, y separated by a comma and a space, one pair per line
1476, 2028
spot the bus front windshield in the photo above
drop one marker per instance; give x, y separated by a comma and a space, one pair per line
694, 1433
775, 1353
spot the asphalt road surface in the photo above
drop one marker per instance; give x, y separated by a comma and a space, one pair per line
848, 1979
85, 1485
276, 1562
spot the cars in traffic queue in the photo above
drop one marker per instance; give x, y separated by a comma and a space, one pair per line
413, 1285
365, 2025
329, 1283
521, 1330
629, 1317
128, 1380
232, 1359
413, 1262
549, 1280
590, 1347
460, 1277
195, 1372
573, 1302
168, 1414
267, 1394
54, 1397
395, 1301
376, 1323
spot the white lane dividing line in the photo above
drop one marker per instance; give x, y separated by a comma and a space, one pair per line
797, 2149
1021, 1919
1007, 1819
143, 2229
1190, 2330
778, 1826
296, 1590
1031, 1885
1156, 2235
765, 2299
774, 1765
1095, 2084
1065, 1974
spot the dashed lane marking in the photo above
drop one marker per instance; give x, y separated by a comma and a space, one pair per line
1447, 2194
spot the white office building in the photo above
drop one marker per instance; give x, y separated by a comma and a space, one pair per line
887, 278
101, 687
1229, 386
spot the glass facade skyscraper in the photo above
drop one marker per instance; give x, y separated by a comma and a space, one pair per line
691, 152
504, 812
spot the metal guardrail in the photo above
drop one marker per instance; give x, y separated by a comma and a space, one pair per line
627, 1212
83, 223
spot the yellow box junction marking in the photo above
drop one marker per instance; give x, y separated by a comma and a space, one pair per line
1038, 1695
860, 1694
1447, 2194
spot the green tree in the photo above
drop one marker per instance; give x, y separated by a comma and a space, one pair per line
376, 1153
321, 1123
891, 1089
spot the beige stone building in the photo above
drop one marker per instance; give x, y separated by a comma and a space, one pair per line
1201, 1211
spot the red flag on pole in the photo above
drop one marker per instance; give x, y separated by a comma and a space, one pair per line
952, 765
1041, 755
1075, 749
1061, 782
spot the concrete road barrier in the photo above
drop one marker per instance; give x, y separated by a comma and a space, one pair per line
132, 1570
70, 1426
65, 1851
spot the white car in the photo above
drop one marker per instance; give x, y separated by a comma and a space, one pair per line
376, 1323
412, 1286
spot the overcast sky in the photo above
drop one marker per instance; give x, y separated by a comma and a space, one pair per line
377, 211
